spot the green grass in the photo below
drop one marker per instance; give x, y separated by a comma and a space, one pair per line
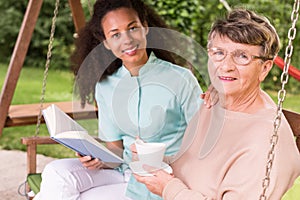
59, 88
28, 90
291, 101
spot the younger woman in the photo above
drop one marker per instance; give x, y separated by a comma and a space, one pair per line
141, 93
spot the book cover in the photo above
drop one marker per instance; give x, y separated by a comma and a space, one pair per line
66, 131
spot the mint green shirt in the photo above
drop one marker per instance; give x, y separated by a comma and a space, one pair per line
156, 106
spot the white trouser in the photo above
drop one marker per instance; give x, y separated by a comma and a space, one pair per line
67, 179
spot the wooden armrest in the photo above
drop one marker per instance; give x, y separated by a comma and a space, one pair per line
294, 120
37, 140
31, 143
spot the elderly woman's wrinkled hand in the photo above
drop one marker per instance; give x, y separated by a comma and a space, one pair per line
157, 182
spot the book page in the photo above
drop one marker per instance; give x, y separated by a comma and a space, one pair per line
57, 121
66, 131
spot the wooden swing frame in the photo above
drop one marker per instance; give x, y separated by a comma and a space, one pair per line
27, 114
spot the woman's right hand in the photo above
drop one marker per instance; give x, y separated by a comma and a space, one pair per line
90, 163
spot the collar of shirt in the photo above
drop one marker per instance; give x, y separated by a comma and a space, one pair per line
144, 69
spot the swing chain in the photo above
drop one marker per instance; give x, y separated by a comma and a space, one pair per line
226, 5
281, 97
90, 7
47, 65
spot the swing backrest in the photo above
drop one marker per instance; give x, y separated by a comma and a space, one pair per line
294, 121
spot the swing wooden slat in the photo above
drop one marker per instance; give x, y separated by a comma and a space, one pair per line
27, 114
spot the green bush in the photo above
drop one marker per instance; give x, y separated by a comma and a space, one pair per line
10, 22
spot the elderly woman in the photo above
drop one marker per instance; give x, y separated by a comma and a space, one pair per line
225, 149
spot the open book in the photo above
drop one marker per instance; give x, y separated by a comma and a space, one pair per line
68, 132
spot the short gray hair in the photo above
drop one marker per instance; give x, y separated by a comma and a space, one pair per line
246, 27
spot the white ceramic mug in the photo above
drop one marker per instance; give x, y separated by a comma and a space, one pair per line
150, 153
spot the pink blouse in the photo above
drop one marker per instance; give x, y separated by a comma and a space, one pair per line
224, 156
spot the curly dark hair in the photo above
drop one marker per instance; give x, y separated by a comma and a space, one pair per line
92, 35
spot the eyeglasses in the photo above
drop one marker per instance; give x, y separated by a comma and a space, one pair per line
239, 57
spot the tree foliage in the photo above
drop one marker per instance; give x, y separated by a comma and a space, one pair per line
11, 16
193, 18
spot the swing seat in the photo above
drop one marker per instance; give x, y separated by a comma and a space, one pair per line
34, 182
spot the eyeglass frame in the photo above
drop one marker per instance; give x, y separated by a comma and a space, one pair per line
232, 56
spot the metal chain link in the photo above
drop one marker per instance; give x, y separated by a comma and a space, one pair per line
281, 97
47, 65
226, 5
90, 7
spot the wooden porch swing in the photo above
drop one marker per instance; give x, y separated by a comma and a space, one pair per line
20, 115
29, 114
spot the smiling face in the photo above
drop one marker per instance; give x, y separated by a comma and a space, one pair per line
126, 36
234, 80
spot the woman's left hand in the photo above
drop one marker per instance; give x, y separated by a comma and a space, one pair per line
157, 182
